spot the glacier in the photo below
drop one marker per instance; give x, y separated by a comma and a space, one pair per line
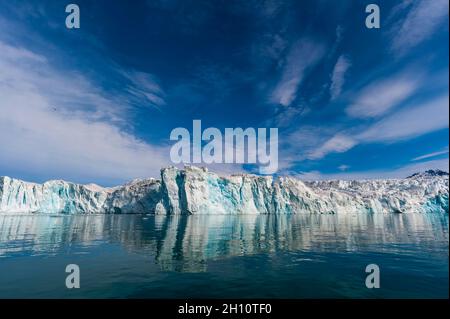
195, 190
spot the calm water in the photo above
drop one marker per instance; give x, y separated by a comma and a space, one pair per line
290, 256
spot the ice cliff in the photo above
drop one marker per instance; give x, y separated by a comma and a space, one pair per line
197, 191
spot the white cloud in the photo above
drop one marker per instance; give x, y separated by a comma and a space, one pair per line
338, 76
339, 143
410, 122
11, 53
303, 55
298, 145
422, 20
379, 97
146, 86
429, 155
405, 124
343, 167
285, 116
61, 125
401, 172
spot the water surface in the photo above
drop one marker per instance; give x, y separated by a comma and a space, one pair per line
247, 256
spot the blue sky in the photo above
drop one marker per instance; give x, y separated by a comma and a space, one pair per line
97, 104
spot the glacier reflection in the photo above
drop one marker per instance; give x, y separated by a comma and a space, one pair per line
186, 243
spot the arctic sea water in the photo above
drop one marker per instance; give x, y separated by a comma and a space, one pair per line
235, 256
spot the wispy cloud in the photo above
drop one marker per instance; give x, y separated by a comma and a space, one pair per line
429, 155
62, 125
285, 116
338, 77
410, 122
145, 86
400, 172
423, 18
337, 144
337, 42
296, 146
379, 97
304, 54
405, 124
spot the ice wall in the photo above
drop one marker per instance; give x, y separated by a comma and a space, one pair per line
197, 191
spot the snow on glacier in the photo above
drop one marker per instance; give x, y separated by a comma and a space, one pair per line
195, 190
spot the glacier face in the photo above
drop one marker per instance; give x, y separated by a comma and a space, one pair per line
197, 191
